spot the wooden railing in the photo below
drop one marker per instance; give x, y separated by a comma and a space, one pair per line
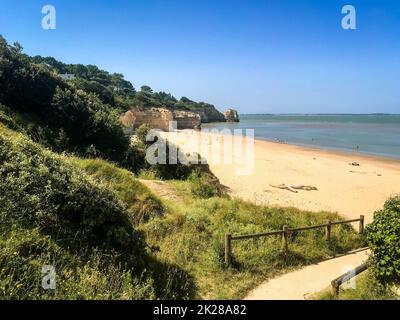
284, 233
346, 277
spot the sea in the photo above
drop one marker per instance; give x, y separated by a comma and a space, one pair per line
369, 134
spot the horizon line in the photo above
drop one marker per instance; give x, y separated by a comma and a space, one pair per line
322, 114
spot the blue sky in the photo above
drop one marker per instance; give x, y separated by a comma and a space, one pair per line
256, 56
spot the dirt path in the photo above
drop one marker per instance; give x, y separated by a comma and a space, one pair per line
163, 190
299, 285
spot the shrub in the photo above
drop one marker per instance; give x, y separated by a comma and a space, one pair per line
52, 213
39, 94
88, 123
141, 133
24, 252
135, 159
200, 187
383, 236
40, 189
7, 119
203, 184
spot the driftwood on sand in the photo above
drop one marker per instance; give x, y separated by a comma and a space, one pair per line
295, 188
306, 188
359, 172
354, 164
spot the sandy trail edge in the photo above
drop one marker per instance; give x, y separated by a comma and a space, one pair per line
163, 190
299, 285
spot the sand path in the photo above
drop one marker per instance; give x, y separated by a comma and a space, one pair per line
163, 190
299, 285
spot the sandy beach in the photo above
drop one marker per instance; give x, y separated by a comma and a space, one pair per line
344, 188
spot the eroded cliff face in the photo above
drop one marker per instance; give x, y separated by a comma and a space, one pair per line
210, 114
187, 119
231, 115
155, 118
160, 118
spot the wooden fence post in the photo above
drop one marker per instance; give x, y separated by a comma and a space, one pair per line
328, 231
361, 229
228, 250
285, 239
335, 289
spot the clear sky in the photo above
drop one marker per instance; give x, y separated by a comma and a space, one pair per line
256, 56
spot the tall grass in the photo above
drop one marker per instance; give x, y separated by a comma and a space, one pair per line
192, 237
367, 287
140, 203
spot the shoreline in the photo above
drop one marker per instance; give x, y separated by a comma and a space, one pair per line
342, 153
333, 151
349, 190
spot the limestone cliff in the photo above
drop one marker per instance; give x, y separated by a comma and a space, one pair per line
209, 113
156, 118
160, 118
187, 119
231, 115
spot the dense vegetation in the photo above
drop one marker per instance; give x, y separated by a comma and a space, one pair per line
383, 236
56, 113
52, 213
113, 89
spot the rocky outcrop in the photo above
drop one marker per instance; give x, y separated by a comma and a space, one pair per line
160, 118
187, 119
208, 113
231, 115
155, 118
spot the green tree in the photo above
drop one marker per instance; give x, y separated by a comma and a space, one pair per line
146, 89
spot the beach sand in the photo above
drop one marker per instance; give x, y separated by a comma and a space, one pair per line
343, 188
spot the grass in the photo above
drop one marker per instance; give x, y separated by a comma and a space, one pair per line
191, 236
366, 288
147, 174
137, 198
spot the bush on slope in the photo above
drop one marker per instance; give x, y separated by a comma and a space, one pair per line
52, 213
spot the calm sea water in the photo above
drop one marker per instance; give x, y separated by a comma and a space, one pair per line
368, 134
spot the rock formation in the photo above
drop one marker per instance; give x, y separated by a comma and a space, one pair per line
208, 114
155, 118
160, 118
187, 119
231, 115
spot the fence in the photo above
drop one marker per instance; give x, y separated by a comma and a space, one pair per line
285, 235
346, 277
